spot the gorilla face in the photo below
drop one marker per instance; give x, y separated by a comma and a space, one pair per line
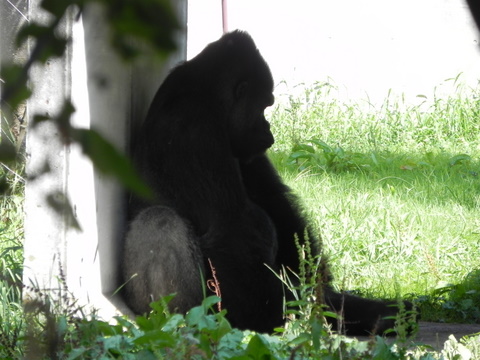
249, 131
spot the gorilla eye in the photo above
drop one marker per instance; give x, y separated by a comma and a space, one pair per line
241, 90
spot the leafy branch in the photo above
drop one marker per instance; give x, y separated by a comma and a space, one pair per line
136, 27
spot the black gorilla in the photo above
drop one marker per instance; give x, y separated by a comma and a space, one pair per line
219, 204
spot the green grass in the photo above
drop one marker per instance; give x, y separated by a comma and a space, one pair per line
11, 248
11, 268
394, 191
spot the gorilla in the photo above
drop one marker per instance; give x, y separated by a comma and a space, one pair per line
220, 209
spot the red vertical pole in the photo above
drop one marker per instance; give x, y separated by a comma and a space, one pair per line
224, 16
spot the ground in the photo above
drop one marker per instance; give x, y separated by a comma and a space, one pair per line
435, 334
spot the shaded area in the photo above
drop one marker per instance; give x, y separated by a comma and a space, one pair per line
459, 301
435, 334
436, 177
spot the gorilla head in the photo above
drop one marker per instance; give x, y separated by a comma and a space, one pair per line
232, 72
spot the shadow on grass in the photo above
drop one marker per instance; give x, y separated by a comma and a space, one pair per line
456, 302
437, 178
446, 180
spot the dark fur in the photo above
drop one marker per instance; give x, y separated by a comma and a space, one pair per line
218, 198
475, 10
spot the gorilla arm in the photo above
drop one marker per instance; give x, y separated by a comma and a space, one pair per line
265, 188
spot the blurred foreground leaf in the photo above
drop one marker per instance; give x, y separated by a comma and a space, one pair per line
109, 161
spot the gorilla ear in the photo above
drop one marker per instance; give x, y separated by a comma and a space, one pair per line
241, 90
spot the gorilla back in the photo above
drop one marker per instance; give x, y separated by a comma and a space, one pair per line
219, 204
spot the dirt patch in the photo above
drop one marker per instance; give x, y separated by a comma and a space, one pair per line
435, 334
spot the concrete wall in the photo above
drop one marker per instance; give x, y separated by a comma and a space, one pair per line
110, 96
365, 46
12, 19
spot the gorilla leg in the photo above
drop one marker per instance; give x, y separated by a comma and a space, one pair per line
243, 259
360, 316
161, 256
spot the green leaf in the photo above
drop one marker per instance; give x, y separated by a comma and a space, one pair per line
77, 353
195, 316
157, 337
383, 351
37, 119
15, 89
59, 202
257, 348
300, 155
317, 332
47, 43
224, 326
33, 30
459, 159
300, 339
322, 145
140, 20
4, 185
304, 148
173, 323
62, 120
199, 316
110, 161
7, 151
210, 301
161, 306
53, 47
57, 7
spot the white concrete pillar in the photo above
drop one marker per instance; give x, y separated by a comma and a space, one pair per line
110, 96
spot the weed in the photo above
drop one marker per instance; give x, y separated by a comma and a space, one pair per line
462, 301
